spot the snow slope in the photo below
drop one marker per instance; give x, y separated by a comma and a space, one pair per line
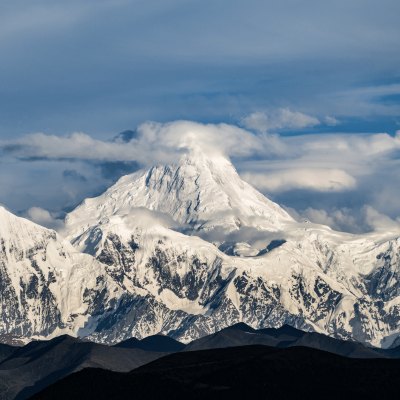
46, 286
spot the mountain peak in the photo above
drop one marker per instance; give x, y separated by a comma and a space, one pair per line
20, 230
201, 191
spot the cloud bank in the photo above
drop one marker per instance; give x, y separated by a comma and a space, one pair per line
326, 178
152, 142
320, 179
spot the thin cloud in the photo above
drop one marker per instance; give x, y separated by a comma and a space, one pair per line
319, 179
275, 120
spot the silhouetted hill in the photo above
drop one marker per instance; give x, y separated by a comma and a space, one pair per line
6, 351
237, 372
40, 363
31, 368
158, 343
286, 336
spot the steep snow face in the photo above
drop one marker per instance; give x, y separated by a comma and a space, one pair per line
46, 287
198, 193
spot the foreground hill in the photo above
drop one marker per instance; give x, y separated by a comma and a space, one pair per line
286, 336
28, 369
160, 343
237, 372
31, 368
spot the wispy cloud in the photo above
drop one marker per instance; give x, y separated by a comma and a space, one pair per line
319, 179
278, 119
364, 101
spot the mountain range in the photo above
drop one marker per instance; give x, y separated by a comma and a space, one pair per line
186, 250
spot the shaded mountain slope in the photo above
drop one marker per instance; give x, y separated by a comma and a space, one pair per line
6, 351
156, 343
285, 336
238, 372
38, 364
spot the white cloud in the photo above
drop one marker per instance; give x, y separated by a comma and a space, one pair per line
155, 143
339, 219
184, 135
43, 217
331, 121
319, 179
379, 221
356, 146
324, 163
274, 120
364, 219
355, 154
74, 146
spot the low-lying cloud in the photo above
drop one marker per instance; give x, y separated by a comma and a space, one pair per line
320, 179
347, 219
44, 218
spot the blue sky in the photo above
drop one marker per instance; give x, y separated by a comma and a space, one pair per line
101, 67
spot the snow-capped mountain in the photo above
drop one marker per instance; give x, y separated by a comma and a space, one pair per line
198, 249
198, 193
47, 287
188, 249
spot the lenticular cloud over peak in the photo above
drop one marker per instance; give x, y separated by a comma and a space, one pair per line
223, 139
